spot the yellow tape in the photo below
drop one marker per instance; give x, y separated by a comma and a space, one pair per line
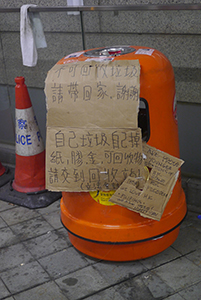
102, 197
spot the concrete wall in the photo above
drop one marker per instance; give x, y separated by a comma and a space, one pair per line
175, 33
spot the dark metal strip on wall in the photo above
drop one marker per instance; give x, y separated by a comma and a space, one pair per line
115, 8
142, 7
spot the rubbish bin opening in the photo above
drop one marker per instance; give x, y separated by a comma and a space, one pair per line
113, 52
110, 51
143, 119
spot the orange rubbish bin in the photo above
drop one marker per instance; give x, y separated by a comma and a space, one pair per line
112, 232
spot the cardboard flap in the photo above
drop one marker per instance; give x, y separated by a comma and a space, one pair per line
163, 165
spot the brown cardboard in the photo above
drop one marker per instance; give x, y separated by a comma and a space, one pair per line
93, 94
92, 159
150, 198
150, 202
92, 138
163, 165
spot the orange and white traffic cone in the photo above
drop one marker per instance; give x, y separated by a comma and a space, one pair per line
30, 153
28, 187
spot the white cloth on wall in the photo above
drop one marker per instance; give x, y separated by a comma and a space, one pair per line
31, 35
74, 3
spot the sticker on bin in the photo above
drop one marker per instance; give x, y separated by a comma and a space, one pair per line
101, 58
76, 54
145, 51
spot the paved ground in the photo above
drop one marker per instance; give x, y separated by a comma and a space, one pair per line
37, 262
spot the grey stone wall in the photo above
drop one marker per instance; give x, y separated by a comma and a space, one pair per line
175, 33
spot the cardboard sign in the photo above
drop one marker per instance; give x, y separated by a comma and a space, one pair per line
93, 94
92, 159
150, 202
150, 197
92, 138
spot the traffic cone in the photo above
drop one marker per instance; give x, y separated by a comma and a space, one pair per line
29, 148
28, 187
6, 175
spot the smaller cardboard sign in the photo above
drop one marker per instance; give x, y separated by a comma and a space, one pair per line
150, 197
149, 202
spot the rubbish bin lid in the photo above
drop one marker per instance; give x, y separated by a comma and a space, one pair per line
110, 51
